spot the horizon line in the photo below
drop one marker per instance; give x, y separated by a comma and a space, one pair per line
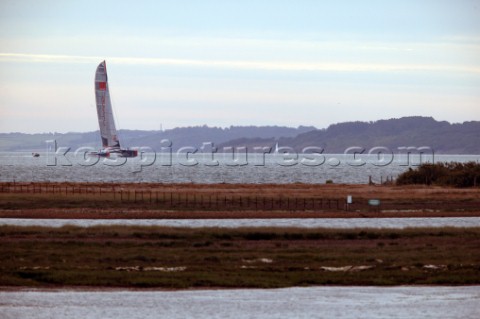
246, 126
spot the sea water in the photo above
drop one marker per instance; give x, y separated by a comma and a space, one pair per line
311, 302
344, 223
217, 168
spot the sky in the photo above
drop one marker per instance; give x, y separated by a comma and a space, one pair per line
223, 63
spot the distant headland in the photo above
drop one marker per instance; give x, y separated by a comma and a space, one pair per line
441, 136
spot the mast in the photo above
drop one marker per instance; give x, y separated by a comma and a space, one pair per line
108, 132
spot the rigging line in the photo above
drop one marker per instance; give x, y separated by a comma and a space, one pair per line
114, 114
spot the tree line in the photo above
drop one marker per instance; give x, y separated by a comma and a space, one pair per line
443, 174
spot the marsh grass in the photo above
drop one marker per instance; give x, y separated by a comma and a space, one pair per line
242, 257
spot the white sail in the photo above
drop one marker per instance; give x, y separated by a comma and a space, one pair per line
108, 132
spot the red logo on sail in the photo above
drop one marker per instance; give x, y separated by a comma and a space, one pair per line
102, 86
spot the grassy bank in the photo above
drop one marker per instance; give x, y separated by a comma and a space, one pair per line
98, 200
246, 257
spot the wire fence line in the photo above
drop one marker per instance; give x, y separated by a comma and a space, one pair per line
175, 199
160, 198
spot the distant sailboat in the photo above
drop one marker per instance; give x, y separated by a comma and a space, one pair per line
108, 132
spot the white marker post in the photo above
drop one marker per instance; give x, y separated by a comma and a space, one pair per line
349, 201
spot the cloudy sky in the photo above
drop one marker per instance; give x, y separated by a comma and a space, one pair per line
222, 63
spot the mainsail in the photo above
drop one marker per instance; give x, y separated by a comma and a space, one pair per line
108, 132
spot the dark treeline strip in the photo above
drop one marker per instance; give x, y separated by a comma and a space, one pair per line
443, 174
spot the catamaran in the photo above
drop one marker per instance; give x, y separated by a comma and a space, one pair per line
108, 132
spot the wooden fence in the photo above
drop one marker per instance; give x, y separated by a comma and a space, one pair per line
158, 198
176, 199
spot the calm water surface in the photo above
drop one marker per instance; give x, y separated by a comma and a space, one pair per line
198, 168
287, 222
315, 302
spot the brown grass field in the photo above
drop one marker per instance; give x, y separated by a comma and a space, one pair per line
150, 201
179, 258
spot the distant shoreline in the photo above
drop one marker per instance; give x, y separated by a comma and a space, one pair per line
409, 131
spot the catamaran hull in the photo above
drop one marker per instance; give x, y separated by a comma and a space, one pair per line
128, 153
119, 153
